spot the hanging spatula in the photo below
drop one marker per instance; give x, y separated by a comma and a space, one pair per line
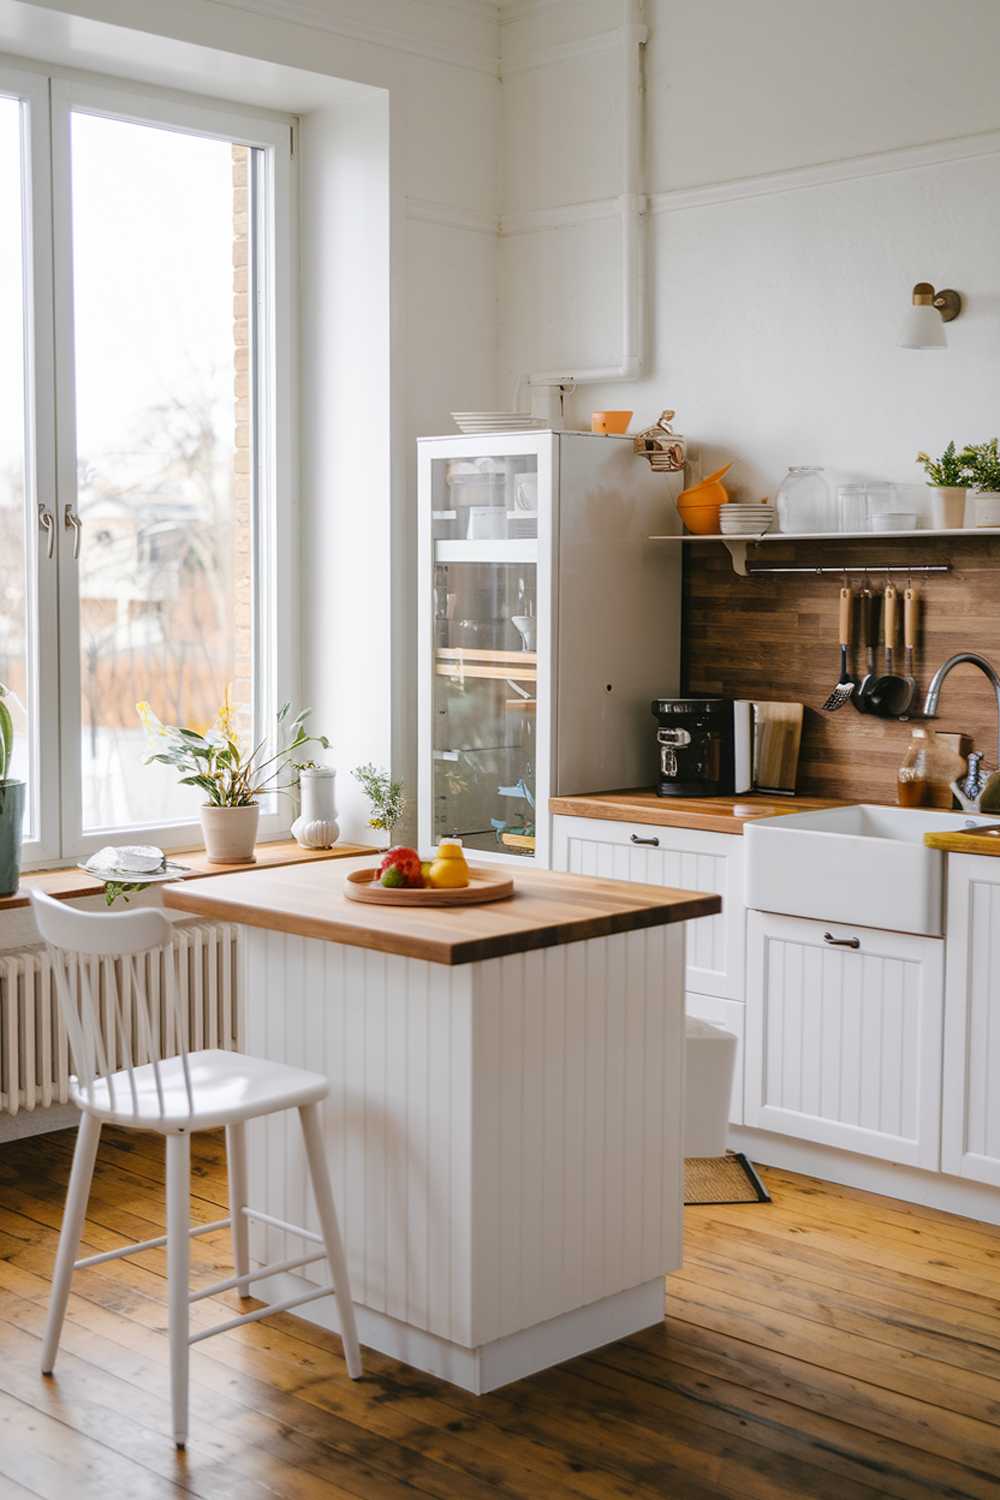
845, 687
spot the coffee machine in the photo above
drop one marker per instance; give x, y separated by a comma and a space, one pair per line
718, 747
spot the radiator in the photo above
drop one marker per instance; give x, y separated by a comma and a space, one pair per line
35, 1063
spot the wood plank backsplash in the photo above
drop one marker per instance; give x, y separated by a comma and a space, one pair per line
775, 637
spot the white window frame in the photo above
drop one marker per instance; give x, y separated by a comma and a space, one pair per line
51, 98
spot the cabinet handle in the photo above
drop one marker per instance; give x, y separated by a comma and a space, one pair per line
654, 842
828, 937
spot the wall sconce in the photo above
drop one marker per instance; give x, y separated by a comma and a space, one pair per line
923, 326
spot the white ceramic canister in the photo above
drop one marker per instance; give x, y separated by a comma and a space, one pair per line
316, 827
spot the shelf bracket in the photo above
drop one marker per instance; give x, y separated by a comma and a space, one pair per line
738, 552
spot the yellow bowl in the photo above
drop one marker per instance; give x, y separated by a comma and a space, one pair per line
610, 422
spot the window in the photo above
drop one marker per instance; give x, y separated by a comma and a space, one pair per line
145, 313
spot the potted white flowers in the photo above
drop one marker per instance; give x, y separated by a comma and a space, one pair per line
948, 477
11, 803
231, 778
982, 466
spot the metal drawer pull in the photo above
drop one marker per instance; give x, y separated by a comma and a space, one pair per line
653, 842
828, 937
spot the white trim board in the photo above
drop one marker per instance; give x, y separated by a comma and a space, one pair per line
452, 215
317, 16
824, 174
500, 1362
956, 1195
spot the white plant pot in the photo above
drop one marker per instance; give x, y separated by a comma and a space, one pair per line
316, 827
948, 508
987, 508
230, 833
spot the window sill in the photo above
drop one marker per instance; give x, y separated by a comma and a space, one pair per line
68, 885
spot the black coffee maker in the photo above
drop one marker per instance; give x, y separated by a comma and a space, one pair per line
696, 739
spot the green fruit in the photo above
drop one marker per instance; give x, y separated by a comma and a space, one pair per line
393, 876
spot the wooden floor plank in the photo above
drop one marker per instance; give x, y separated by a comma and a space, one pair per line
832, 1346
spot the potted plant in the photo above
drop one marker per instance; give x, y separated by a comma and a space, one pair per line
982, 465
231, 778
948, 478
12, 795
387, 798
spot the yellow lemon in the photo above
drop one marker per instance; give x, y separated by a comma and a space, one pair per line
448, 870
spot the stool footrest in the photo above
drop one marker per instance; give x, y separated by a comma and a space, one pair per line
262, 1218
248, 1276
158, 1243
263, 1312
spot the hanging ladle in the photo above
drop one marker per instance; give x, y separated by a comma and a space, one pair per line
889, 695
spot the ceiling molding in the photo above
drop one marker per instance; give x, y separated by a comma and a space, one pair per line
825, 174
525, 59
357, 26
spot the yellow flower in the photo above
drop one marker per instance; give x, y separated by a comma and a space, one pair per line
225, 718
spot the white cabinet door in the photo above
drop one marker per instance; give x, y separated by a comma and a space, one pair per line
970, 1127
731, 1014
681, 857
844, 1042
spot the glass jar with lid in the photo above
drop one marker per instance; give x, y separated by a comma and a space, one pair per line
804, 502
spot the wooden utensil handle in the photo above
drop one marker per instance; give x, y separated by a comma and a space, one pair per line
846, 600
890, 615
910, 619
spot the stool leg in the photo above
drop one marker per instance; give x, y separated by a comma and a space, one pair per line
236, 1160
74, 1213
178, 1271
323, 1193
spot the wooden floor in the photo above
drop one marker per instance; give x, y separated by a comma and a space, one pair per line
832, 1344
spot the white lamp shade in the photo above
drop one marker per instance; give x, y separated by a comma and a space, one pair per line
922, 328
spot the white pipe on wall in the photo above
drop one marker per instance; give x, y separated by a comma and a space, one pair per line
631, 209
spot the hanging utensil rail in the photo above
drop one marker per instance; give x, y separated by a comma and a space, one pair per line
755, 571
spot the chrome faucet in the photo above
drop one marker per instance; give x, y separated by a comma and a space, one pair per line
937, 681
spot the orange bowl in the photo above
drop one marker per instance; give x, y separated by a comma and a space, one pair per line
610, 422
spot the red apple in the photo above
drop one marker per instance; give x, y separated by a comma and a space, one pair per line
406, 861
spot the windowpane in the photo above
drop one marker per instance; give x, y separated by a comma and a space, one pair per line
17, 646
161, 252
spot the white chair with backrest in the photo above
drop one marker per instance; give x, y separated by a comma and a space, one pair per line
174, 1096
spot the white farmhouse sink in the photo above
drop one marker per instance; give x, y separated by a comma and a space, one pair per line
866, 865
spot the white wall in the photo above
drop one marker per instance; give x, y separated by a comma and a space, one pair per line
399, 297
807, 163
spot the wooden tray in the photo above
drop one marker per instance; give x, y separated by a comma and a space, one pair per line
485, 886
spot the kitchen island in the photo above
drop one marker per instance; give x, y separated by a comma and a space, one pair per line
504, 1126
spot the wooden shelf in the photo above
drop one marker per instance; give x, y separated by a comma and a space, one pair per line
477, 653
482, 669
737, 545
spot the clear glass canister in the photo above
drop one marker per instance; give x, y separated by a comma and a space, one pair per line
804, 501
927, 762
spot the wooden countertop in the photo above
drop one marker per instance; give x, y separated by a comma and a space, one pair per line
71, 884
546, 909
712, 814
965, 843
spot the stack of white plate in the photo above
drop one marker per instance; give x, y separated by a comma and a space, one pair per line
496, 421
737, 519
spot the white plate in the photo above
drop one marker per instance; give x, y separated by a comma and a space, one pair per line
170, 871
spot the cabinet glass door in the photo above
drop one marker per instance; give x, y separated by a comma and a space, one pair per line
485, 606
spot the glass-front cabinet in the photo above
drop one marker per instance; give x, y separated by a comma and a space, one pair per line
485, 641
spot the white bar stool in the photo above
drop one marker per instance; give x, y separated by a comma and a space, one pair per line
178, 1095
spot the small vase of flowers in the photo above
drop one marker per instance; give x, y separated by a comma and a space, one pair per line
948, 477
232, 778
387, 798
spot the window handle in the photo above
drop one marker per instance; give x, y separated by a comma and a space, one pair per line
653, 842
72, 521
47, 522
828, 937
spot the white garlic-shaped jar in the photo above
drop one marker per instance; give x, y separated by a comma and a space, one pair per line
316, 827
